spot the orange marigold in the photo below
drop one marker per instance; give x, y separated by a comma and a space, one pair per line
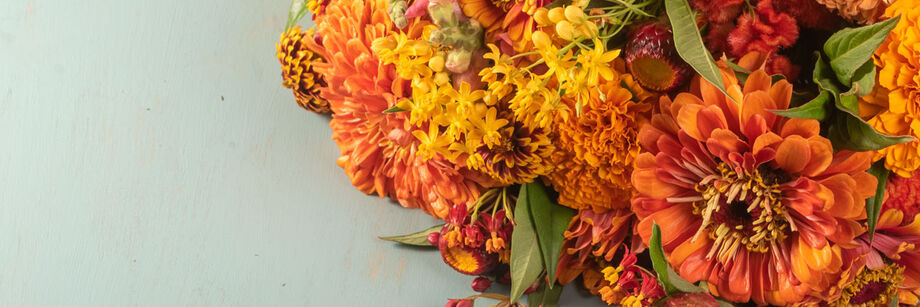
757, 205
596, 151
297, 69
893, 107
379, 152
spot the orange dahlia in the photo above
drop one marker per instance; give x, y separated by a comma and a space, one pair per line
759, 206
379, 152
596, 151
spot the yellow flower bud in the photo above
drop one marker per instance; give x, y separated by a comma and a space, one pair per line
436, 63
574, 14
541, 16
541, 40
565, 30
441, 78
556, 14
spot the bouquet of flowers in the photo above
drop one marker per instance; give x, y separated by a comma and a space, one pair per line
655, 152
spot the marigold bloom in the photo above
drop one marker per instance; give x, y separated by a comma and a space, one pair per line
596, 151
297, 69
756, 204
894, 105
379, 152
861, 11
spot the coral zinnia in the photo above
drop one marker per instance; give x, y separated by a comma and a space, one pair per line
592, 235
379, 153
755, 204
595, 151
894, 105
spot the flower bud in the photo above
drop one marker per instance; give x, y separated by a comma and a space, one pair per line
433, 238
464, 303
481, 284
565, 30
436, 63
574, 14
541, 40
556, 14
688, 299
441, 78
533, 287
458, 60
541, 16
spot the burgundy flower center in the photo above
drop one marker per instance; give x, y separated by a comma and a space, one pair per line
741, 209
872, 287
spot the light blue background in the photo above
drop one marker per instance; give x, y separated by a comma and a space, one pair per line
149, 156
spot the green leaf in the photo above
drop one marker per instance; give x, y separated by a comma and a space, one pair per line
690, 45
823, 76
526, 258
418, 239
394, 109
682, 284
550, 221
864, 78
850, 48
740, 72
894, 301
723, 303
814, 109
656, 252
545, 297
852, 133
874, 203
298, 10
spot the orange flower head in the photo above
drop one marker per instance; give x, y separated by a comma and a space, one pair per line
903, 193
297, 69
505, 16
596, 151
379, 152
893, 107
592, 235
760, 206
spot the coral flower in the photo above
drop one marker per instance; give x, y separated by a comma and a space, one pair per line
753, 203
861, 11
596, 151
505, 16
590, 236
379, 152
894, 105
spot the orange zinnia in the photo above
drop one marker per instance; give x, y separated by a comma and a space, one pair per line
505, 16
757, 205
378, 149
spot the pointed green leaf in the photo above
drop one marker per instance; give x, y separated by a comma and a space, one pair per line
550, 221
545, 297
297, 11
814, 109
418, 239
526, 258
659, 263
394, 109
689, 43
874, 203
682, 284
894, 301
724, 303
850, 48
824, 76
852, 133
864, 78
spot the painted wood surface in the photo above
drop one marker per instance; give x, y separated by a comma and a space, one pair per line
150, 157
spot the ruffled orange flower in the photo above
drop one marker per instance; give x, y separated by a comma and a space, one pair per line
757, 205
505, 16
378, 149
861, 11
591, 236
596, 151
903, 193
894, 105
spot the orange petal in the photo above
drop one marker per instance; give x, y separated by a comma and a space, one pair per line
765, 140
822, 152
686, 119
757, 81
687, 248
758, 103
793, 154
803, 127
651, 186
781, 91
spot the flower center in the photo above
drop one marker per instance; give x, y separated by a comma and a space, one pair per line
872, 287
741, 209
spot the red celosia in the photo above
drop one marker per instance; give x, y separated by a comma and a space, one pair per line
718, 11
904, 194
764, 31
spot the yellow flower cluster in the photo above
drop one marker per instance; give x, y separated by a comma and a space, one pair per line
893, 107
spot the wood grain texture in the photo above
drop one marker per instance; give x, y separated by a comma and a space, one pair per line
150, 157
